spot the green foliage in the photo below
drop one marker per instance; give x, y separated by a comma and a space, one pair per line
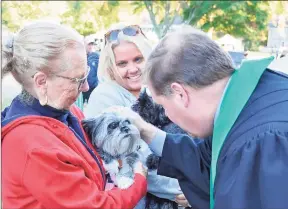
85, 16
279, 7
73, 17
138, 6
16, 13
88, 17
244, 19
162, 13
108, 13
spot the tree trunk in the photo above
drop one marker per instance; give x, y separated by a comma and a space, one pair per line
149, 7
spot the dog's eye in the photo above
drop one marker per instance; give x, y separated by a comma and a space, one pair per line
113, 125
127, 122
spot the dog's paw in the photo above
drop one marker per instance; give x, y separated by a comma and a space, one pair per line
112, 167
124, 182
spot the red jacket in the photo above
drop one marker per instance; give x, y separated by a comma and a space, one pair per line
44, 165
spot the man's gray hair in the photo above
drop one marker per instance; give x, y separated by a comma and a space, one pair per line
187, 56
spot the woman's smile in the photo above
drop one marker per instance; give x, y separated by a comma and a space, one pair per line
134, 77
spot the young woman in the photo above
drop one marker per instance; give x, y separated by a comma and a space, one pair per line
120, 71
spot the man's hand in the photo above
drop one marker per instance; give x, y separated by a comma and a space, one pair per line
147, 131
127, 113
182, 201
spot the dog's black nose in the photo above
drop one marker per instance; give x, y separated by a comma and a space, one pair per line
125, 129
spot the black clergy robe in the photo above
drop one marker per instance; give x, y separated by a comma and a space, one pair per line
252, 168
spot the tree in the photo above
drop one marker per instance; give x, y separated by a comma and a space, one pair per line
88, 17
245, 19
85, 16
278, 7
75, 15
16, 13
162, 14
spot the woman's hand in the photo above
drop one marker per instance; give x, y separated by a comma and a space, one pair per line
139, 168
182, 201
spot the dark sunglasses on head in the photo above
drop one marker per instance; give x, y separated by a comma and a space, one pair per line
132, 30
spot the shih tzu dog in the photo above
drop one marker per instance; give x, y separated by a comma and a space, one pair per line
116, 140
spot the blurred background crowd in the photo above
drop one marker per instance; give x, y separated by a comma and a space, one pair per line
246, 29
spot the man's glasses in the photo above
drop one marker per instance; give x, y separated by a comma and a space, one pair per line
132, 30
80, 81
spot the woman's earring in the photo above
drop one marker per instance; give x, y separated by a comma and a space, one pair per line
45, 101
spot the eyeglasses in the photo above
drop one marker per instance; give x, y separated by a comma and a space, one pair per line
80, 81
131, 30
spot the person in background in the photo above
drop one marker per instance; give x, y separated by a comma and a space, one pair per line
120, 72
48, 160
92, 60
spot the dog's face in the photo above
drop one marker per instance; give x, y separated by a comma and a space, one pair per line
113, 134
150, 111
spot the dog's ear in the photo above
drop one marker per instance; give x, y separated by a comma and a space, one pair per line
163, 119
91, 125
140, 103
88, 125
143, 97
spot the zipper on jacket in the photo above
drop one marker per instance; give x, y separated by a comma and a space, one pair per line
92, 154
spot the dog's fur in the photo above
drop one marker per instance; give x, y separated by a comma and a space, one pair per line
106, 142
155, 114
115, 138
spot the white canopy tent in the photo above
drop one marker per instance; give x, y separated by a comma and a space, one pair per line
280, 64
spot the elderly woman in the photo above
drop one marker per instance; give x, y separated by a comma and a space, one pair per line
48, 161
120, 69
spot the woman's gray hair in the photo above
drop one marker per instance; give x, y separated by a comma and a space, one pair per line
34, 46
187, 56
107, 59
7, 51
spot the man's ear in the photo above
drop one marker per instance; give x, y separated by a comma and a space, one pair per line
180, 92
